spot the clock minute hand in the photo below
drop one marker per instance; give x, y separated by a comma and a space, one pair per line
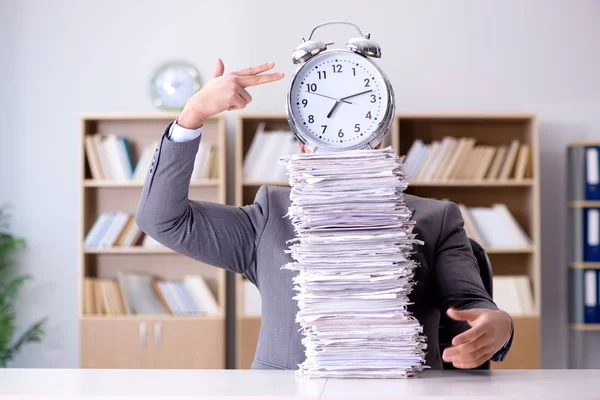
357, 94
329, 97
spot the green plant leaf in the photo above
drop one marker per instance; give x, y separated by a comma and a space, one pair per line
10, 284
33, 335
10, 290
7, 326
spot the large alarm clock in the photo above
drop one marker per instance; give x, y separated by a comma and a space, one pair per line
339, 99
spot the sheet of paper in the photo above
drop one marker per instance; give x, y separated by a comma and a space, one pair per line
352, 254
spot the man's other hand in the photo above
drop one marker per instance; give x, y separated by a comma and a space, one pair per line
490, 329
224, 92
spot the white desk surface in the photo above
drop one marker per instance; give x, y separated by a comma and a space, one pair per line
254, 384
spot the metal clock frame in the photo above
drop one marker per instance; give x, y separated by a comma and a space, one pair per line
370, 141
361, 46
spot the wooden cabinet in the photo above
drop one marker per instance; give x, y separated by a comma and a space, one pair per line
113, 343
196, 344
181, 343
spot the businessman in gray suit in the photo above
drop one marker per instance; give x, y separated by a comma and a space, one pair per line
251, 241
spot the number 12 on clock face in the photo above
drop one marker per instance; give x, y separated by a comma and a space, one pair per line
339, 99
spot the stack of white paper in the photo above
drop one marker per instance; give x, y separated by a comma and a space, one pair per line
352, 252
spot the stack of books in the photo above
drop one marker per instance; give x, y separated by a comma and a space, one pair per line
463, 159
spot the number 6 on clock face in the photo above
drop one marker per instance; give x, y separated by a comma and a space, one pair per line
340, 100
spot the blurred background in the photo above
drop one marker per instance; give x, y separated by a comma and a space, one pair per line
495, 71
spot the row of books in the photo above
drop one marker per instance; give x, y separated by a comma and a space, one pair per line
110, 157
117, 229
262, 159
494, 227
139, 293
513, 294
463, 159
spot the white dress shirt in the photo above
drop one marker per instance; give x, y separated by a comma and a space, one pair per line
180, 134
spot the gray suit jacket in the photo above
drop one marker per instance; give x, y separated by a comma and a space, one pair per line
251, 241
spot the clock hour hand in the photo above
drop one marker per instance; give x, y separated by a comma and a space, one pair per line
357, 94
329, 97
337, 103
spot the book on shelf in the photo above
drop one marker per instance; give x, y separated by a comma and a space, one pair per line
583, 173
110, 157
494, 227
261, 162
584, 234
584, 300
117, 229
137, 293
513, 294
463, 158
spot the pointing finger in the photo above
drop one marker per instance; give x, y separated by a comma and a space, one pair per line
257, 69
255, 80
219, 68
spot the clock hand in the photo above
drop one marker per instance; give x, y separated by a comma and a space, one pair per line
343, 99
337, 103
357, 94
329, 97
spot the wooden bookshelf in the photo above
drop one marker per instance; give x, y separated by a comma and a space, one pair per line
582, 299
146, 341
521, 196
247, 327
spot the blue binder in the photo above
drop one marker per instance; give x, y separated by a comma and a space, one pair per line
592, 173
591, 235
590, 296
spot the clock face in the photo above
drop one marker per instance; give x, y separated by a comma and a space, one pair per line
173, 84
339, 99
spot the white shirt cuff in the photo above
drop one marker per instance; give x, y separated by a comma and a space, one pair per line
180, 134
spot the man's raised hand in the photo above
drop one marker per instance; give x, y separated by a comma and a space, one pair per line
224, 92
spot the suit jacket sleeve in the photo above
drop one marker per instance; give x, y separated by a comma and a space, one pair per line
213, 233
457, 276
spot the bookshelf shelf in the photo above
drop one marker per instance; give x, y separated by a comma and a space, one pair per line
128, 250
584, 204
585, 327
500, 250
113, 269
466, 183
265, 183
152, 317
93, 183
584, 265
